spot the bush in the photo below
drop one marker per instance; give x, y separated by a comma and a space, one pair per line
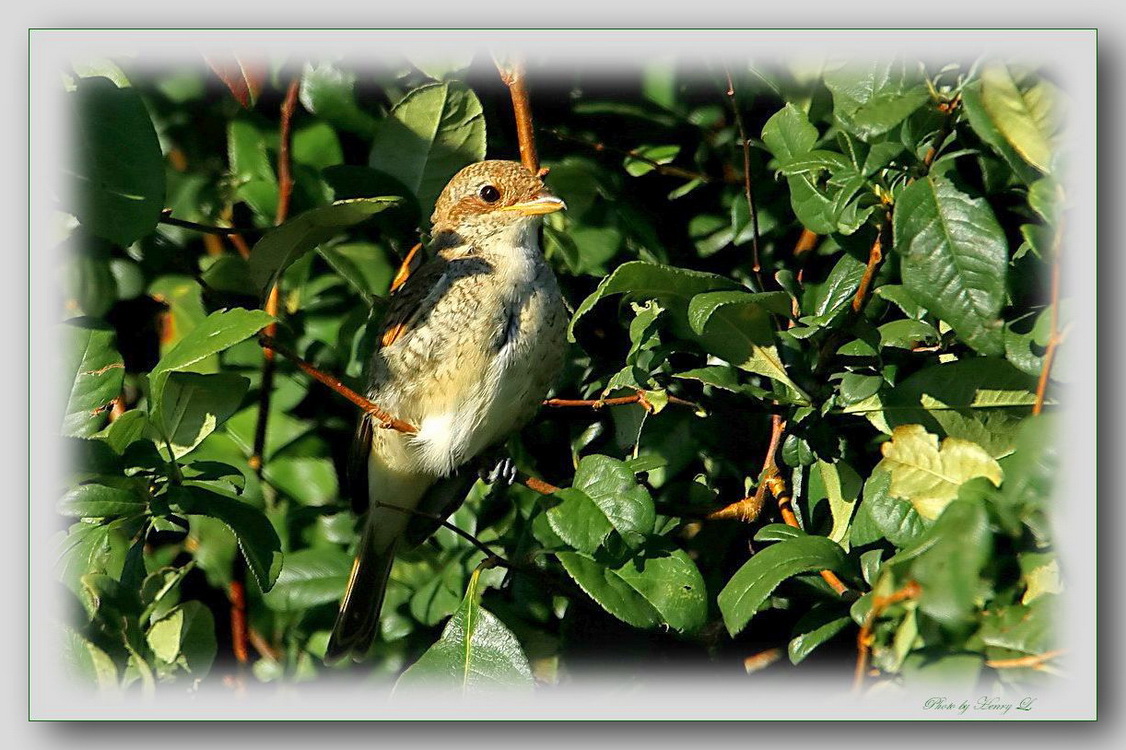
816, 304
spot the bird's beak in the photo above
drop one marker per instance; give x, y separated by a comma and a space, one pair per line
544, 203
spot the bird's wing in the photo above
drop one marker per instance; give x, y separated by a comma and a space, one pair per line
408, 300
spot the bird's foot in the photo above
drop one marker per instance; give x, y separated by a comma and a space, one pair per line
502, 472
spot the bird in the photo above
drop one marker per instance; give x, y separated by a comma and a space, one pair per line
469, 347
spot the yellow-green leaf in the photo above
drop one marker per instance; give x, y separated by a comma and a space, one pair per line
928, 476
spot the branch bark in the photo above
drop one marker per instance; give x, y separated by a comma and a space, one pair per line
864, 638
513, 75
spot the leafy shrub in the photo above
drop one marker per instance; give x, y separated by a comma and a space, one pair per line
856, 328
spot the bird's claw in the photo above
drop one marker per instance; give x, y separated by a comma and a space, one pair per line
503, 472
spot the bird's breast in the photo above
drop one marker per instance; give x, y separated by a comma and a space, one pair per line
478, 364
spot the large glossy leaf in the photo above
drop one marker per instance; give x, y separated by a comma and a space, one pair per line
192, 406
789, 135
308, 578
605, 497
955, 259
476, 653
927, 475
660, 586
96, 372
255, 534
753, 583
119, 169
1023, 117
302, 234
983, 125
430, 134
673, 286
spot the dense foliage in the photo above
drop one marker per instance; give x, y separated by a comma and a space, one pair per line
860, 401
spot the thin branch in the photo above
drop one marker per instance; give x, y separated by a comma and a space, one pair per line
748, 508
875, 257
864, 638
761, 660
1054, 335
756, 266
807, 240
946, 108
665, 169
1032, 661
256, 461
285, 179
236, 593
489, 553
513, 77
384, 419
167, 218
285, 191
599, 403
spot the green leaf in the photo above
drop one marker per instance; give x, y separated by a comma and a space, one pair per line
605, 497
101, 501
955, 259
650, 281
124, 431
949, 568
980, 399
218, 331
874, 98
983, 125
882, 516
192, 406
87, 662
788, 134
736, 327
328, 91
309, 578
283, 245
255, 534
660, 154
430, 134
753, 583
1024, 118
119, 168
363, 265
818, 625
929, 476
475, 653
842, 488
96, 373
660, 586
185, 636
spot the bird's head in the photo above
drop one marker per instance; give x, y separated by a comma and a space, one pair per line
490, 198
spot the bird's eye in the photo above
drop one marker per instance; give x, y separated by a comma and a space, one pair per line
489, 194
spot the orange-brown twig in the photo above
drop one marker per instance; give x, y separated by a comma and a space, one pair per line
513, 77
1054, 336
1032, 661
599, 403
285, 190
807, 240
864, 638
755, 265
875, 257
761, 660
749, 508
236, 593
384, 419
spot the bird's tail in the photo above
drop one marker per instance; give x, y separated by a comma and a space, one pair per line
358, 619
